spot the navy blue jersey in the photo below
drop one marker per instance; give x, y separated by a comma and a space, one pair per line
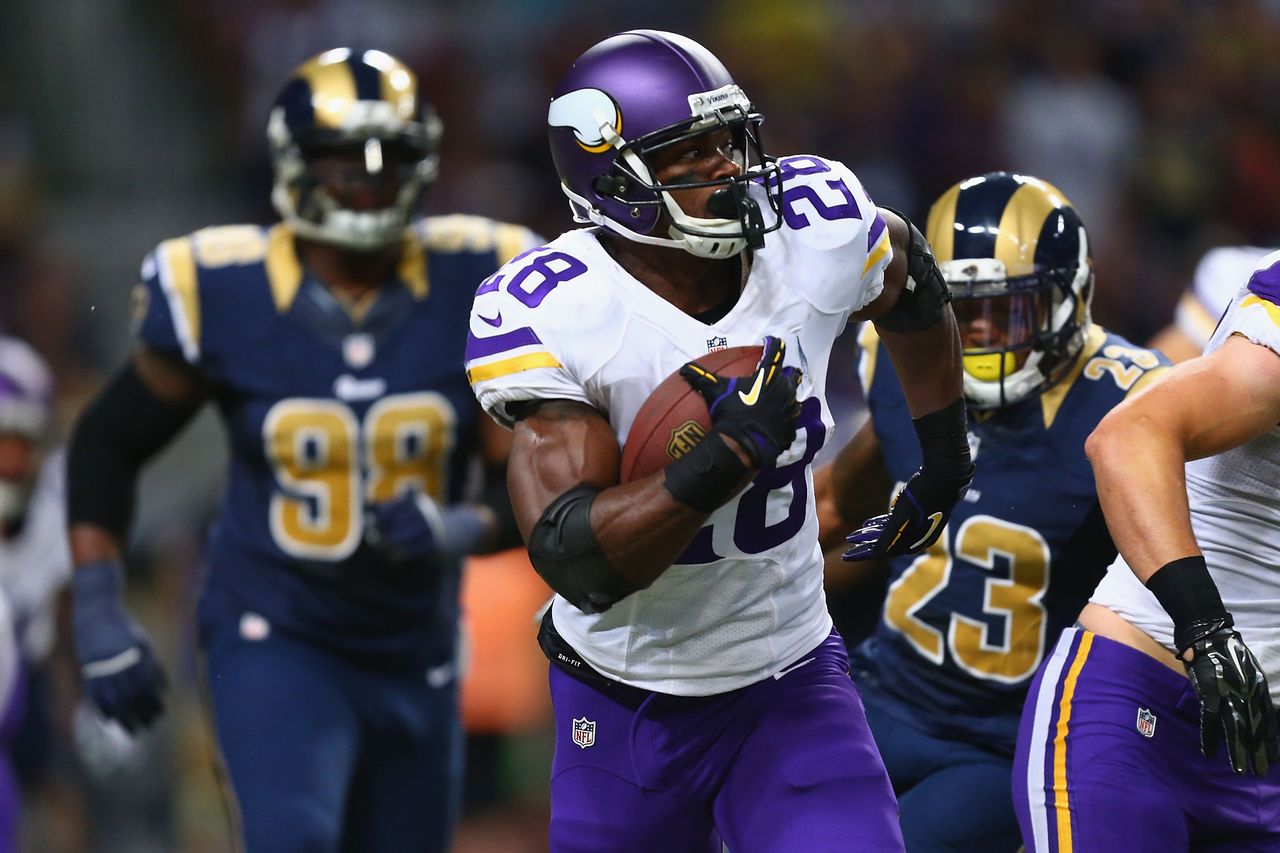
329, 405
966, 624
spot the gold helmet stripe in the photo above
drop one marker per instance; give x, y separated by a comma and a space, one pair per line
1020, 224
397, 85
940, 227
333, 86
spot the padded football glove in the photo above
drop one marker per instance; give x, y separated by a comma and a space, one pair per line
1235, 704
415, 527
120, 671
915, 519
759, 411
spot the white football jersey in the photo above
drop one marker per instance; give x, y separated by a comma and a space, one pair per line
566, 321
36, 563
1218, 277
1235, 514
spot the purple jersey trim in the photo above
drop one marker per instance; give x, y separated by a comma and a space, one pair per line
877, 228
484, 347
1265, 283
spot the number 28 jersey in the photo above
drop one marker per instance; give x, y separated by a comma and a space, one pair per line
567, 322
966, 623
329, 408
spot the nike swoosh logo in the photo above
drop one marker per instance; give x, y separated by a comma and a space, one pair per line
494, 321
777, 676
749, 398
935, 519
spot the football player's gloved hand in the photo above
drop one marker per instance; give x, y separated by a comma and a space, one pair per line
1235, 704
415, 527
759, 411
120, 671
915, 519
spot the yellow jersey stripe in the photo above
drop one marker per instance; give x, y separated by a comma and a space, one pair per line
510, 240
881, 249
284, 270
176, 263
1061, 802
1147, 378
413, 267
1051, 400
1272, 309
508, 366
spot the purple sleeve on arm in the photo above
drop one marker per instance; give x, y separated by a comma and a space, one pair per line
1265, 283
482, 347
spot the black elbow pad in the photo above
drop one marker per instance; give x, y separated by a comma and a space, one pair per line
564, 551
920, 304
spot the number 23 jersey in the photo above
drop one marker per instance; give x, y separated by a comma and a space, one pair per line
965, 624
567, 322
329, 408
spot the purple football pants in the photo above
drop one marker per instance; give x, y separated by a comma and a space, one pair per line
786, 765
1109, 760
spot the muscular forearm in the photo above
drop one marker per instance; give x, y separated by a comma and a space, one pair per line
91, 543
642, 529
1139, 468
928, 364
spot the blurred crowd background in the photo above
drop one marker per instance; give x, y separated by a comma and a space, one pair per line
126, 122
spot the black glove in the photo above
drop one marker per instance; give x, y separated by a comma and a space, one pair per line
1234, 700
1231, 686
757, 411
915, 519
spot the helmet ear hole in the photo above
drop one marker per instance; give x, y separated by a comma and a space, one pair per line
611, 186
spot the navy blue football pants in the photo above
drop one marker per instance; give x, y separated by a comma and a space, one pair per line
952, 797
325, 755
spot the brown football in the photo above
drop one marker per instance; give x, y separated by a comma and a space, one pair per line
675, 417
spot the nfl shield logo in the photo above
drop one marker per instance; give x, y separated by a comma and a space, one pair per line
717, 343
584, 732
357, 350
1146, 723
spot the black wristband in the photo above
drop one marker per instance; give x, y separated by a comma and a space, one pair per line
1186, 591
944, 441
706, 476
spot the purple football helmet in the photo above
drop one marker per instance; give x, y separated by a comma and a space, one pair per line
635, 93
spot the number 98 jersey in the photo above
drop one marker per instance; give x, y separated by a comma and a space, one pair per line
329, 406
965, 624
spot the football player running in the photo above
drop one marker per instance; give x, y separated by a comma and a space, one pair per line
701, 695
965, 625
1119, 749
332, 345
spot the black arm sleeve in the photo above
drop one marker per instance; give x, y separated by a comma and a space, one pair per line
120, 429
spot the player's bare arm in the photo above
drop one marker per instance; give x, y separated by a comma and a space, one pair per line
1139, 449
561, 444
